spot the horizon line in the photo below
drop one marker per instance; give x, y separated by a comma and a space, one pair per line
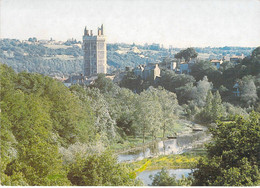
206, 46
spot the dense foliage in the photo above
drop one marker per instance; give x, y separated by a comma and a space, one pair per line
100, 170
186, 54
233, 155
163, 178
41, 116
31, 127
193, 90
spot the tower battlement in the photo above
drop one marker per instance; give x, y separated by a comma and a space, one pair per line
95, 52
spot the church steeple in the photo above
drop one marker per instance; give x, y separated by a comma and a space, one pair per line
96, 45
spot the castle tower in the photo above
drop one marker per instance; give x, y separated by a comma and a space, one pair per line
95, 52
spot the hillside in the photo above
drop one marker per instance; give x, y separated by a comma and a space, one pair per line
65, 58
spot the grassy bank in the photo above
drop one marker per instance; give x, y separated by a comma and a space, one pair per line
130, 142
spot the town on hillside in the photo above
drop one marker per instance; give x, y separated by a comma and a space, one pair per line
94, 49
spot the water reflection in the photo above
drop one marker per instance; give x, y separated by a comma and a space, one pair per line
172, 146
144, 176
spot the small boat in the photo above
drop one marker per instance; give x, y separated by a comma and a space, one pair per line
171, 137
197, 129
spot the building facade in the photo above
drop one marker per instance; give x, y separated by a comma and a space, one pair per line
95, 52
168, 63
216, 62
235, 59
149, 72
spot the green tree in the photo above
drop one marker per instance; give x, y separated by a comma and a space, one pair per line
181, 84
205, 115
163, 178
248, 92
103, 84
217, 107
148, 114
32, 128
187, 54
170, 80
38, 114
169, 107
86, 121
132, 82
8, 142
104, 123
233, 156
213, 109
125, 122
100, 170
205, 68
184, 93
199, 93
65, 110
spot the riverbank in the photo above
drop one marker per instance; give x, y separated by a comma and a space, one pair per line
180, 161
130, 143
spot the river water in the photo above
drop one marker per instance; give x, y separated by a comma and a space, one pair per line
144, 176
181, 144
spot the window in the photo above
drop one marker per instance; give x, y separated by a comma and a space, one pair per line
101, 46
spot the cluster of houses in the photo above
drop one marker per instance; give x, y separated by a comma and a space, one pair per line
233, 59
152, 71
95, 62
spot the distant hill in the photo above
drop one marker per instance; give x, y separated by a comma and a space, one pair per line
65, 58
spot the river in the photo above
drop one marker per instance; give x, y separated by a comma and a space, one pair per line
144, 176
181, 144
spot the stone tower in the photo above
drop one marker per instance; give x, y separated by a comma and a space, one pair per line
95, 52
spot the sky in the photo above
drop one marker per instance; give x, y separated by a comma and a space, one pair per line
180, 23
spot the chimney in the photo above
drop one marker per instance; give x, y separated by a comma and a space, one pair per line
91, 33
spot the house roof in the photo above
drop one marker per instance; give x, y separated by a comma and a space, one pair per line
215, 61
